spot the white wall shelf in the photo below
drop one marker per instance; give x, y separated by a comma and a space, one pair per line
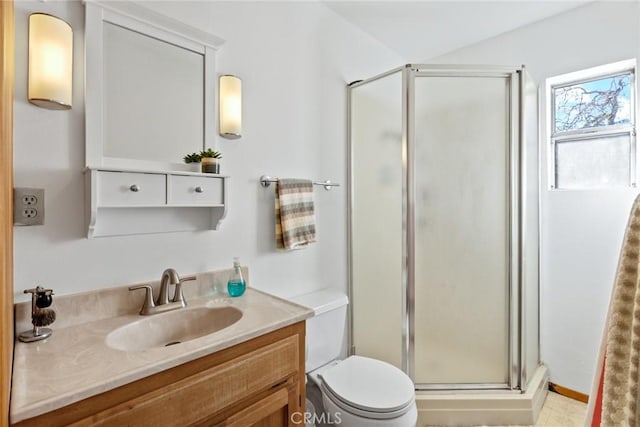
135, 201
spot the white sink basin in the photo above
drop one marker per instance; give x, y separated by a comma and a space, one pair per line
174, 327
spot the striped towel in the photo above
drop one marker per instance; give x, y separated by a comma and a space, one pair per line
620, 406
295, 219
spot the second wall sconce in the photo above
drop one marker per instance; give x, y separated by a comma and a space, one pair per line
230, 107
50, 62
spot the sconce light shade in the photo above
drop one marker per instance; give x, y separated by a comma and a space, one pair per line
50, 62
230, 106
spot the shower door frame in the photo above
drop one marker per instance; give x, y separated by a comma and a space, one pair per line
516, 77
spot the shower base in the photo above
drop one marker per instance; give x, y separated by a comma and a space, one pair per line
473, 408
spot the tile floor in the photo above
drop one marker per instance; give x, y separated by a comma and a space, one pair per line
561, 411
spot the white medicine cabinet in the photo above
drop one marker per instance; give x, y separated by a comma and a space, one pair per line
150, 99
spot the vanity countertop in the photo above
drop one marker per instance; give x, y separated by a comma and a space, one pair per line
76, 363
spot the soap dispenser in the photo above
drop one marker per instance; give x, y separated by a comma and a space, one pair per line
236, 284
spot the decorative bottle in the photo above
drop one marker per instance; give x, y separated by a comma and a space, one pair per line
236, 284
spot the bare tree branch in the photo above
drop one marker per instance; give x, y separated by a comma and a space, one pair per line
578, 108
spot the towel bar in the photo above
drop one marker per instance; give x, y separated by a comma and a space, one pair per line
266, 180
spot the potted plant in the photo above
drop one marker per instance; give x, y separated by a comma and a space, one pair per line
210, 161
207, 158
194, 159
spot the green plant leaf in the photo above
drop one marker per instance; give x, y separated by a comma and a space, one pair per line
192, 158
211, 154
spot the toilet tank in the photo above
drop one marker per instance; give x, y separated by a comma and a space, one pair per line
327, 329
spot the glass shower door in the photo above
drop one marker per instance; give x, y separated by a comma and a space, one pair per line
462, 237
376, 218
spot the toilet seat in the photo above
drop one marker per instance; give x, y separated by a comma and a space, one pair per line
345, 407
368, 387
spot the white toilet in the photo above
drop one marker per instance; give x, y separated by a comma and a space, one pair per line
357, 391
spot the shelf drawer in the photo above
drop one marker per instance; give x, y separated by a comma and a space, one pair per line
195, 190
131, 189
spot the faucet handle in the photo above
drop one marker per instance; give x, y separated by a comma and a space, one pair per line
148, 298
178, 296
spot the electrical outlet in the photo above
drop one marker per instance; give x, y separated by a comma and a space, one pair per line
29, 213
28, 206
29, 200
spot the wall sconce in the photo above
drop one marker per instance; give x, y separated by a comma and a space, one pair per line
230, 107
50, 62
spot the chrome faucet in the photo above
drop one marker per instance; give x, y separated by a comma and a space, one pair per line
169, 277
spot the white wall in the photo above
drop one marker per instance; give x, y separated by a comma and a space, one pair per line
294, 59
581, 230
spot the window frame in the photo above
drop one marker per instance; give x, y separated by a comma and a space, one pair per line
627, 67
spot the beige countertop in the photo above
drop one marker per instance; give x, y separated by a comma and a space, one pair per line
75, 362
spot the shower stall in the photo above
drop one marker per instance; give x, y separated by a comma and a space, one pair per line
443, 215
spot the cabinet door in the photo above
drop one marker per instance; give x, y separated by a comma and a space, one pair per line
276, 410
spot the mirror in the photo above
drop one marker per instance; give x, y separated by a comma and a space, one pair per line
153, 97
150, 88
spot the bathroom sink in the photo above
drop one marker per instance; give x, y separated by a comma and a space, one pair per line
174, 327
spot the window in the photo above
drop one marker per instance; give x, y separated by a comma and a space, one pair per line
592, 128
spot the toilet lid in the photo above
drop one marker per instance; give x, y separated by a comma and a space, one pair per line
369, 384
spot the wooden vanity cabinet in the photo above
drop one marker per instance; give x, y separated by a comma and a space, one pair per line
256, 383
